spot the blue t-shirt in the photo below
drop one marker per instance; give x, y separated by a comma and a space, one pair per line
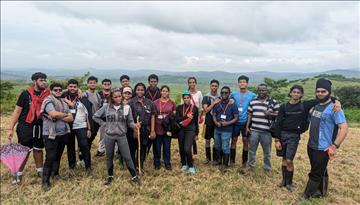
242, 100
323, 126
226, 112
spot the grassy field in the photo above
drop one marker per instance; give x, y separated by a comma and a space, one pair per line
208, 186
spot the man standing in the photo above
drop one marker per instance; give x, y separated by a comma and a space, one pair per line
104, 94
242, 99
81, 109
95, 100
328, 130
56, 131
124, 81
153, 93
225, 115
261, 112
29, 122
209, 100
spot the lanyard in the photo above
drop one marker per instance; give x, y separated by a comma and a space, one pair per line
224, 110
241, 97
153, 96
162, 106
187, 110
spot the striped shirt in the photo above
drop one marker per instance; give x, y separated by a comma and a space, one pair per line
257, 109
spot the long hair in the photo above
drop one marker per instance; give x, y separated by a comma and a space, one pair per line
191, 78
113, 91
137, 85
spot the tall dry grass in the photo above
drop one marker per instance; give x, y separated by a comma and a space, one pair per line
208, 186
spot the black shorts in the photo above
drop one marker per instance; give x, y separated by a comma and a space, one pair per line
209, 132
239, 129
30, 136
289, 143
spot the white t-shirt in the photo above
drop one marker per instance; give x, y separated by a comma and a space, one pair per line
196, 99
81, 116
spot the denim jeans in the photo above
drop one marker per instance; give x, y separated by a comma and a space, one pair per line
222, 140
264, 138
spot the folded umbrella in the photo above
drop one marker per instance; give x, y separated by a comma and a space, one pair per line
13, 156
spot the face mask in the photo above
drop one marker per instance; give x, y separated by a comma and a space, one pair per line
324, 99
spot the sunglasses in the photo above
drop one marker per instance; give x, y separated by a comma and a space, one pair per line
57, 90
224, 92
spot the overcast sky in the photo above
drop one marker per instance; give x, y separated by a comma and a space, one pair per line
181, 36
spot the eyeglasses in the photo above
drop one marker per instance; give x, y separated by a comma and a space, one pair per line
224, 92
321, 91
57, 90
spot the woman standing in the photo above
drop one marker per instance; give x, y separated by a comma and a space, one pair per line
196, 99
144, 109
187, 116
165, 108
118, 118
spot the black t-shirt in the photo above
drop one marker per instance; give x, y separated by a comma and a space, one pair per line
24, 102
207, 101
293, 117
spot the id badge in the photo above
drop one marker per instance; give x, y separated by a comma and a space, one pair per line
240, 109
223, 117
72, 111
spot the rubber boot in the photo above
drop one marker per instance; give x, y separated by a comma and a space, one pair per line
283, 182
311, 188
288, 180
214, 154
245, 155
46, 180
324, 183
208, 153
232, 155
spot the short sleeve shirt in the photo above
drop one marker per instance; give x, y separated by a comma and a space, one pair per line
323, 126
226, 112
144, 110
242, 100
24, 101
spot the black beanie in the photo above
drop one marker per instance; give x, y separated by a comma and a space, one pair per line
324, 83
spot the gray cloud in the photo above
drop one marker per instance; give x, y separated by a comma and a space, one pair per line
282, 36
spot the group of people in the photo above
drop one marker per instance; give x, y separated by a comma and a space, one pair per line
131, 120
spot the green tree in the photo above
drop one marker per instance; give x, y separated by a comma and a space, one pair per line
349, 96
275, 87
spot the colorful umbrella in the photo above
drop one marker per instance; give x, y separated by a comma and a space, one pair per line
13, 156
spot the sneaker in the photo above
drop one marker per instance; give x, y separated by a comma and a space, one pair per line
15, 180
184, 168
168, 167
192, 171
290, 187
99, 154
88, 170
81, 163
207, 161
39, 173
246, 170
136, 180
157, 167
109, 180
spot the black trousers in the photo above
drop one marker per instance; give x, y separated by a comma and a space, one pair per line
91, 139
144, 144
132, 144
83, 143
186, 140
318, 160
54, 149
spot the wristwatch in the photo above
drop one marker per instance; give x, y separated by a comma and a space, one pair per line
337, 146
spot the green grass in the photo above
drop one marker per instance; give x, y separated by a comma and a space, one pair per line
208, 186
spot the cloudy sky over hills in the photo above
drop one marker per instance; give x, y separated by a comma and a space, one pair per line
181, 36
